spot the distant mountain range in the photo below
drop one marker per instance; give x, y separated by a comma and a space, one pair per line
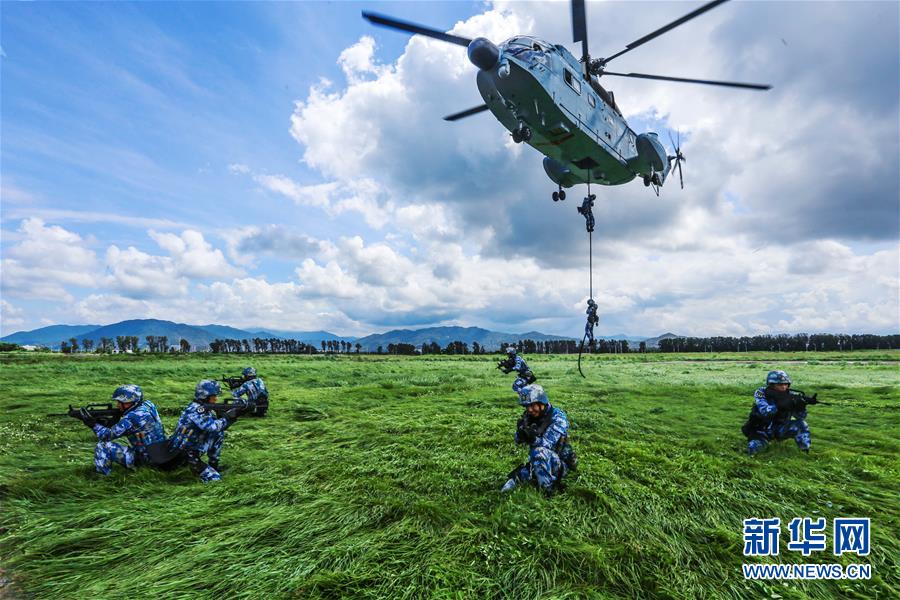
444, 335
200, 336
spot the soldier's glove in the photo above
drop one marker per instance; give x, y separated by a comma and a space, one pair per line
232, 414
87, 418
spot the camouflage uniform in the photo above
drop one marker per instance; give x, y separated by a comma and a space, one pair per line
523, 372
592, 320
256, 392
199, 432
767, 423
550, 456
141, 425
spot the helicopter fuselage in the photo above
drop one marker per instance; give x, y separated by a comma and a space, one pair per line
571, 120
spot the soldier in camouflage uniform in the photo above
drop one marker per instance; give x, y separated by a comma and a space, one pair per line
199, 432
545, 429
255, 390
778, 413
140, 424
592, 320
516, 363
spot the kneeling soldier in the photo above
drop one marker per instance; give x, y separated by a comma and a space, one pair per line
198, 432
255, 390
516, 363
140, 424
545, 429
778, 413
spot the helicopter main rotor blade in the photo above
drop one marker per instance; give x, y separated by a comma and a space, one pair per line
669, 27
579, 27
466, 113
749, 86
392, 23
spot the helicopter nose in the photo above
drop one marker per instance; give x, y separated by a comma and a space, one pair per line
483, 53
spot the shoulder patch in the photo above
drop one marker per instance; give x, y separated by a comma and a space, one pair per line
201, 410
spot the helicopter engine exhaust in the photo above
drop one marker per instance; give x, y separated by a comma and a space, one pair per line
651, 161
483, 53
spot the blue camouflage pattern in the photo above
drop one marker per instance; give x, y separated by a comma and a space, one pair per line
776, 425
521, 369
777, 377
255, 390
128, 393
141, 426
545, 467
532, 394
592, 320
207, 388
199, 432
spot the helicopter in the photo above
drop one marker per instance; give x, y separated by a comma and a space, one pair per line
546, 97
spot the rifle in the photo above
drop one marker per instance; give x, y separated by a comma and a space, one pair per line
506, 364
220, 408
807, 400
233, 383
105, 414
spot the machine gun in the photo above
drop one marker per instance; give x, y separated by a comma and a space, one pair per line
233, 383
105, 414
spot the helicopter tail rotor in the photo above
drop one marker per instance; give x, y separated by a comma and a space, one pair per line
679, 157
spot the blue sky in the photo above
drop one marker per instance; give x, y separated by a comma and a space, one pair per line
285, 165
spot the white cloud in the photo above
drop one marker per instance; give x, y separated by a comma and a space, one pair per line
45, 260
304, 195
193, 256
142, 275
358, 61
10, 315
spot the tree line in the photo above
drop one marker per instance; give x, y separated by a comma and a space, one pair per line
800, 342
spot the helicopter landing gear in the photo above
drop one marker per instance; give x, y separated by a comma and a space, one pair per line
559, 195
522, 133
646, 181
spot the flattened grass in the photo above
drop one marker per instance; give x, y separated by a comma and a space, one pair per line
377, 477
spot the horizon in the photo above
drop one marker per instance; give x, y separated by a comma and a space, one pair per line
286, 166
618, 335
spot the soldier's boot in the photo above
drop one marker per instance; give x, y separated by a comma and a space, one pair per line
214, 463
201, 469
515, 477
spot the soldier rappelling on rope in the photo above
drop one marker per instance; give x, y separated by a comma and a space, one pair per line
592, 320
586, 211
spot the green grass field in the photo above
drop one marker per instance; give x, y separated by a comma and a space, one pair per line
377, 477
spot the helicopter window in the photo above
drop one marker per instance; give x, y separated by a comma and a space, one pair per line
591, 101
572, 81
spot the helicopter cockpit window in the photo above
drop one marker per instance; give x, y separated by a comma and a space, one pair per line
572, 81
